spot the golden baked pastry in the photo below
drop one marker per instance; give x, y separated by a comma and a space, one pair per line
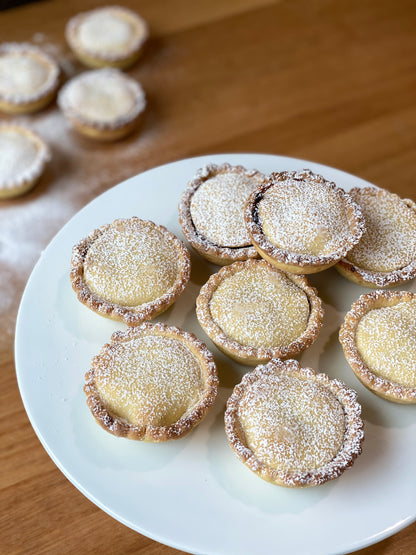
151, 383
130, 270
102, 104
302, 223
293, 427
386, 254
29, 78
23, 155
211, 212
108, 36
379, 341
254, 312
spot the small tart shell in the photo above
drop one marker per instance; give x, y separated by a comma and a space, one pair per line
109, 130
25, 103
25, 180
118, 426
291, 261
378, 279
212, 252
251, 355
96, 58
353, 437
382, 387
131, 315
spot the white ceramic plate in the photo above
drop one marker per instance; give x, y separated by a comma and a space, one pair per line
193, 494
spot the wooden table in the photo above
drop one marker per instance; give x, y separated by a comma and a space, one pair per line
329, 81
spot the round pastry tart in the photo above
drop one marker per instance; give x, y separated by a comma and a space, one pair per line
130, 270
102, 104
29, 78
109, 36
293, 427
151, 383
379, 341
23, 155
386, 254
254, 312
211, 212
302, 223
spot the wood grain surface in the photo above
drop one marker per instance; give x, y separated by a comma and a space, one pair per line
329, 81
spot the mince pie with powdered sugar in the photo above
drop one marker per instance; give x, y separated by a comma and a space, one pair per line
385, 256
23, 156
109, 36
302, 223
254, 312
130, 270
292, 426
103, 104
211, 212
29, 78
379, 341
153, 383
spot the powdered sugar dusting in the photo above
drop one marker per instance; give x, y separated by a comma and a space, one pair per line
104, 32
130, 263
304, 219
148, 380
390, 355
217, 208
260, 309
389, 224
292, 424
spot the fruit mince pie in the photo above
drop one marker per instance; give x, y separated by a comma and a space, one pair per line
130, 270
302, 223
379, 341
107, 36
211, 212
385, 256
153, 383
29, 78
292, 426
254, 312
102, 104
